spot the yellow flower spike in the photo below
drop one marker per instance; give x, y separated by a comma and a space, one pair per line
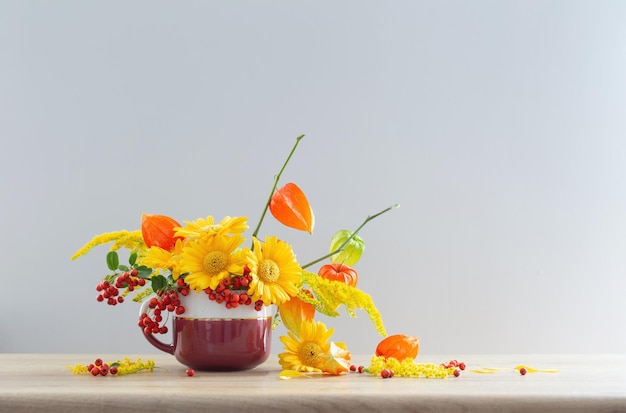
127, 366
408, 368
330, 294
132, 240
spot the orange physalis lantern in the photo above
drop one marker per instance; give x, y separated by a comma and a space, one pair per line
158, 231
294, 311
339, 272
398, 346
291, 208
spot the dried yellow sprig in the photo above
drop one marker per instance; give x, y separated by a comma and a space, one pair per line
126, 366
328, 295
409, 368
132, 240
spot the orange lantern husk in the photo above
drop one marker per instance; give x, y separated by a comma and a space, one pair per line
398, 346
158, 231
294, 311
339, 272
291, 208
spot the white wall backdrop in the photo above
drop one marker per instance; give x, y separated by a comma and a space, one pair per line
497, 125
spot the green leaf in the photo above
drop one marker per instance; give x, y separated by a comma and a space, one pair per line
144, 272
132, 259
352, 247
158, 283
123, 267
113, 260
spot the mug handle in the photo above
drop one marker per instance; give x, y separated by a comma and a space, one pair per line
167, 348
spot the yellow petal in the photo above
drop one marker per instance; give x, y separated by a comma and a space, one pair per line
533, 370
289, 374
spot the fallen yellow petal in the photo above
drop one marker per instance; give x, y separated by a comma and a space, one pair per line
533, 370
289, 374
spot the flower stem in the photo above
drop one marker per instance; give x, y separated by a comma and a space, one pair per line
276, 179
342, 246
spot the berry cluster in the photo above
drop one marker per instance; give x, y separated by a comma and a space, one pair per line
232, 292
164, 301
384, 373
456, 365
116, 368
111, 292
100, 368
360, 369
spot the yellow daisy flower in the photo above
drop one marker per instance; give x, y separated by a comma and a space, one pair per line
209, 261
310, 351
275, 272
206, 227
160, 258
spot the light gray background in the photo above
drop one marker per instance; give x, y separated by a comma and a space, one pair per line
497, 125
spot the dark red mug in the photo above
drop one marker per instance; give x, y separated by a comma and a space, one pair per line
210, 337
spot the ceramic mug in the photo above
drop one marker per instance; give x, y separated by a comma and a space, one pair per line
210, 337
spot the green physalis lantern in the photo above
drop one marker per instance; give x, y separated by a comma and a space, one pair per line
353, 247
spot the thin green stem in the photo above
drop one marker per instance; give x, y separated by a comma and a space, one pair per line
342, 246
276, 179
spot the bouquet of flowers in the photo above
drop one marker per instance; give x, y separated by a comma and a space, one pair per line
167, 259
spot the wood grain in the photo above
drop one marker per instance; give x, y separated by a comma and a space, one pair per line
585, 383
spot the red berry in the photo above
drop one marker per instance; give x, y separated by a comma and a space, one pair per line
190, 372
457, 372
180, 309
134, 272
462, 366
98, 362
113, 370
523, 371
360, 369
352, 367
385, 373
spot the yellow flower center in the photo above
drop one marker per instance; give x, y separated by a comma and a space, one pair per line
215, 261
310, 354
268, 271
212, 228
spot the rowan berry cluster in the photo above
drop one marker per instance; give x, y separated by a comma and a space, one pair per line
164, 301
116, 368
232, 292
100, 368
456, 365
110, 292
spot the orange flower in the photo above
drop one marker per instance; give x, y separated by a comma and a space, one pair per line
398, 346
158, 231
291, 208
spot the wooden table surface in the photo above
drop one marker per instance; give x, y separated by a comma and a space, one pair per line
585, 383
